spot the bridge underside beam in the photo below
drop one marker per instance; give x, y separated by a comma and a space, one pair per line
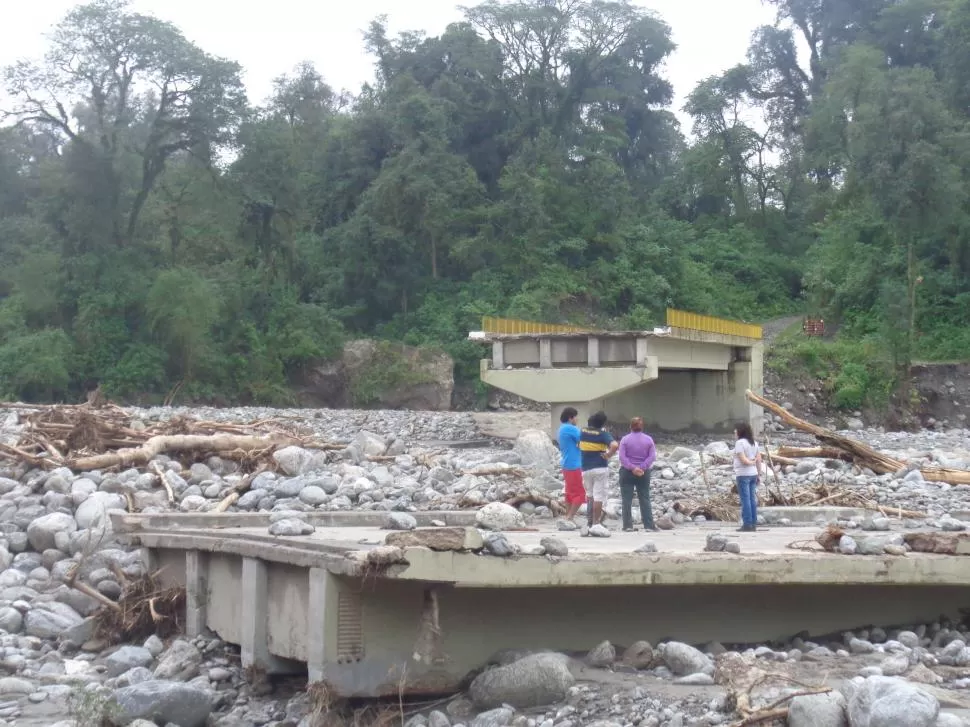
550, 385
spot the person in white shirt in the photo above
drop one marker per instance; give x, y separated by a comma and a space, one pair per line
747, 469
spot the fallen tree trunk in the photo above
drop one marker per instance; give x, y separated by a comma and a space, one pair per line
166, 444
814, 452
859, 453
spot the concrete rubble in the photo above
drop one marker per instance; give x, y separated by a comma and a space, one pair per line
56, 670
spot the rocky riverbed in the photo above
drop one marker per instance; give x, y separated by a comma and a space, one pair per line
55, 669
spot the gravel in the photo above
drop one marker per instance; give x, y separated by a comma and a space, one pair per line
395, 462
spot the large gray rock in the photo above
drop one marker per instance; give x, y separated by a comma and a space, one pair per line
370, 444
535, 449
42, 532
11, 620
424, 382
50, 620
93, 512
162, 702
818, 710
891, 702
500, 717
499, 516
180, 661
529, 682
291, 527
683, 659
682, 453
127, 657
293, 460
638, 655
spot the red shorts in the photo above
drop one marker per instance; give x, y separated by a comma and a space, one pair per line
575, 492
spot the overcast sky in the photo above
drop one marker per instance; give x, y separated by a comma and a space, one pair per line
269, 38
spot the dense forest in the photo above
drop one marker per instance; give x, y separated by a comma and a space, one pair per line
156, 227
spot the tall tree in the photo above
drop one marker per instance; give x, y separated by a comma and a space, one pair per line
116, 87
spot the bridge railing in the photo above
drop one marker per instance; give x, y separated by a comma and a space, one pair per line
509, 326
675, 319
709, 324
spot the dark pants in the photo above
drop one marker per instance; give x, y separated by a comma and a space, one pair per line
630, 484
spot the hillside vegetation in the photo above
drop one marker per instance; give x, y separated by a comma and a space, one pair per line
157, 227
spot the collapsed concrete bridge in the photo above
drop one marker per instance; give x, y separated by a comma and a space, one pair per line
690, 375
419, 616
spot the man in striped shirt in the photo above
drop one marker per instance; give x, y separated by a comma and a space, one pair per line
596, 446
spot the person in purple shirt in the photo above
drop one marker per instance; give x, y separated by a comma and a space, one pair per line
637, 454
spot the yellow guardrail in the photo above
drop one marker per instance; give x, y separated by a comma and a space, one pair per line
514, 326
675, 319
709, 324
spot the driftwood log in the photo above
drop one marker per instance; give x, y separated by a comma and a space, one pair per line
131, 457
857, 452
814, 452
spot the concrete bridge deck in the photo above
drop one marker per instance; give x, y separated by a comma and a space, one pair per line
677, 380
429, 617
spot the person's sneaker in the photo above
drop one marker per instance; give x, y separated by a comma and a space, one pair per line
629, 530
651, 528
747, 529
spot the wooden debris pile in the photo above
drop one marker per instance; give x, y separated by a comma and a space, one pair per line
851, 450
759, 697
147, 606
87, 437
725, 506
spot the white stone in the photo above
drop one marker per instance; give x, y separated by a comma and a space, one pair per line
499, 516
41, 532
535, 449
292, 460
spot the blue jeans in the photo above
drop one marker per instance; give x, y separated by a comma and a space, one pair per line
748, 492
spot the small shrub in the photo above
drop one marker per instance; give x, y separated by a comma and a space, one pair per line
93, 708
850, 386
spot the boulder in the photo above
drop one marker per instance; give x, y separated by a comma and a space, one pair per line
425, 378
180, 661
11, 620
638, 655
818, 710
93, 512
499, 516
15, 685
50, 620
500, 717
292, 461
400, 521
532, 681
370, 444
554, 546
291, 527
683, 659
127, 657
891, 702
162, 702
441, 539
682, 453
498, 544
41, 533
602, 655
535, 449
